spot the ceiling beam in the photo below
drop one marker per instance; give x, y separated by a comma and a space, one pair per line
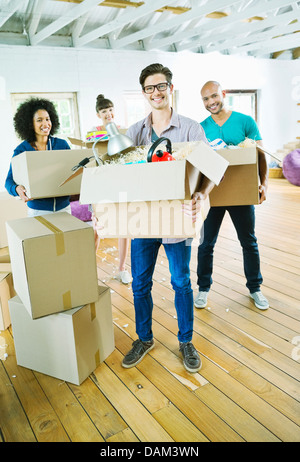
73, 14
8, 10
126, 3
173, 22
234, 33
269, 46
35, 16
121, 21
216, 24
279, 28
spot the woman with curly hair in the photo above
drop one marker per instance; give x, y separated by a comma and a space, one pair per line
36, 121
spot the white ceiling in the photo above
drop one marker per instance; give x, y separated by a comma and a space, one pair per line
260, 28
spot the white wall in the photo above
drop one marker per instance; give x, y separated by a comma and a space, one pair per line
28, 69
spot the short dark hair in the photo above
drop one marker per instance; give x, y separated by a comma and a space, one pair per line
103, 103
23, 118
155, 68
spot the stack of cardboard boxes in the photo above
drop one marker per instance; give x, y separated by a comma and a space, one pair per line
61, 318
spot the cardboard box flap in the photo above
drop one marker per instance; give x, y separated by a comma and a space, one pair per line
208, 162
133, 183
101, 145
239, 156
265, 151
79, 170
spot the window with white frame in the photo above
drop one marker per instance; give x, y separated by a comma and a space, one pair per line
135, 106
244, 101
66, 106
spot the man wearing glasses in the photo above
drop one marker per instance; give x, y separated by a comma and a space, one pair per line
157, 88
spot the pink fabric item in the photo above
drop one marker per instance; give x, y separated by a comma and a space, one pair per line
81, 211
291, 167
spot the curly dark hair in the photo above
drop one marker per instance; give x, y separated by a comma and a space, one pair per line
23, 118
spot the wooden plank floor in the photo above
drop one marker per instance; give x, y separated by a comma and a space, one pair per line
248, 387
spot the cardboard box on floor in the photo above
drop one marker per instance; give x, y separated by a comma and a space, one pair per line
10, 208
42, 172
241, 179
68, 345
7, 290
153, 193
53, 262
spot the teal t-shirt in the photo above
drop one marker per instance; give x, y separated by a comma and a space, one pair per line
236, 128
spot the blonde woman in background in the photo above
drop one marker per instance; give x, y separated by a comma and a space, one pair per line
106, 112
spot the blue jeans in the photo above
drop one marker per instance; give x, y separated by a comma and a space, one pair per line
143, 259
243, 218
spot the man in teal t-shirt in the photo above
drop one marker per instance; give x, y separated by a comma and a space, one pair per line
231, 127
234, 130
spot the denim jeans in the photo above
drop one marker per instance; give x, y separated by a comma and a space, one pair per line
243, 218
143, 259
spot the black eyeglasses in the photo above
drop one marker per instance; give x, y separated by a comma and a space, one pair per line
160, 86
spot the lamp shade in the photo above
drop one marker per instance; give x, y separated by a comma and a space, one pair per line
117, 142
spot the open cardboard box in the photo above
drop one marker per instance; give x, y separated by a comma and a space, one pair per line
241, 180
42, 172
152, 181
68, 345
145, 199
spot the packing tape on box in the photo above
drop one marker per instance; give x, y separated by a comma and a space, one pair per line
59, 235
93, 311
97, 358
67, 300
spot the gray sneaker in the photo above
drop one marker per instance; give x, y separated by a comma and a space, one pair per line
191, 358
259, 300
138, 351
201, 299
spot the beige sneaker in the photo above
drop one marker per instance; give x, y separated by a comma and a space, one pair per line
260, 300
124, 277
201, 300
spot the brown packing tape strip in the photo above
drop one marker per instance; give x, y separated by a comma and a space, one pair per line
60, 250
59, 235
93, 311
97, 358
67, 300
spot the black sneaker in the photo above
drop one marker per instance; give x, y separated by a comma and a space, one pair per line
191, 358
138, 351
